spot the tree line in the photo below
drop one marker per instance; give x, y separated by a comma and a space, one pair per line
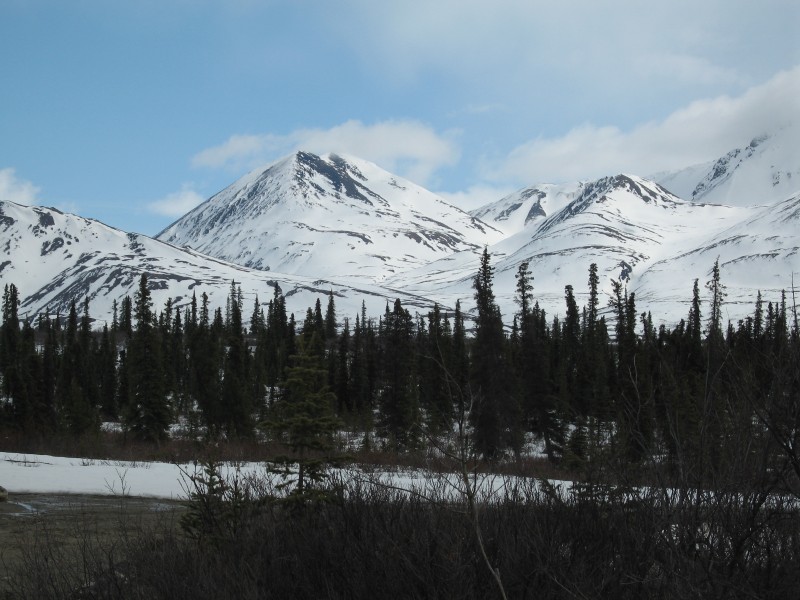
579, 384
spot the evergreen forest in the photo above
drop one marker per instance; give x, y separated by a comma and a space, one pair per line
572, 387
681, 445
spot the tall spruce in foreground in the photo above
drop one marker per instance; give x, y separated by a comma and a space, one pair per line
148, 414
303, 419
494, 414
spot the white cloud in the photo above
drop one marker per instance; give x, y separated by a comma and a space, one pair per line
17, 190
178, 203
406, 147
237, 148
701, 131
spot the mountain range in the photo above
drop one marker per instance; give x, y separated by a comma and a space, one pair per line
313, 225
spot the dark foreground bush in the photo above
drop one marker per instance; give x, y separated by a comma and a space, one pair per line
374, 542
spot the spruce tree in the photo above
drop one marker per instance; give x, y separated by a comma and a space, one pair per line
594, 302
205, 361
74, 405
436, 394
107, 370
126, 317
342, 378
531, 363
237, 403
399, 409
330, 318
458, 365
712, 409
20, 366
49, 376
302, 418
256, 318
494, 414
592, 374
148, 412
571, 339
10, 347
633, 408
319, 322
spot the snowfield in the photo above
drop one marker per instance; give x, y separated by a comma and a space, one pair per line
44, 474
39, 473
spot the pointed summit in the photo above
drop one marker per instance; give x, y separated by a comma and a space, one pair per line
331, 214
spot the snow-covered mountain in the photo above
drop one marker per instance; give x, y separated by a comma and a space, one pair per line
55, 258
332, 215
621, 223
315, 224
526, 208
761, 252
765, 171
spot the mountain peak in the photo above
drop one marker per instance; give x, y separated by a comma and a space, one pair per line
321, 221
310, 214
762, 172
340, 174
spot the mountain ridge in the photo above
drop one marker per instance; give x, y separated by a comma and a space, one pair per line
78, 258
337, 224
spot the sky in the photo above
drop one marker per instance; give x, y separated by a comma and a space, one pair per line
134, 112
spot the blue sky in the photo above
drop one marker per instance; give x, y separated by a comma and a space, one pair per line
133, 112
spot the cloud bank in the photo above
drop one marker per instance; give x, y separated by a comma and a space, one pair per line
699, 132
406, 147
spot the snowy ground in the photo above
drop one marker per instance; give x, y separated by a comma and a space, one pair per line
35, 473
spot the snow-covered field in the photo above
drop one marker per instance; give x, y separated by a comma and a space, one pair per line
37, 473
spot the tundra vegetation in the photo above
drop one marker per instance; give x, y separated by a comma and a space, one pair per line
680, 445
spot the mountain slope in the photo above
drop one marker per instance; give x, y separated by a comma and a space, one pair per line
765, 171
344, 217
760, 253
621, 223
55, 258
